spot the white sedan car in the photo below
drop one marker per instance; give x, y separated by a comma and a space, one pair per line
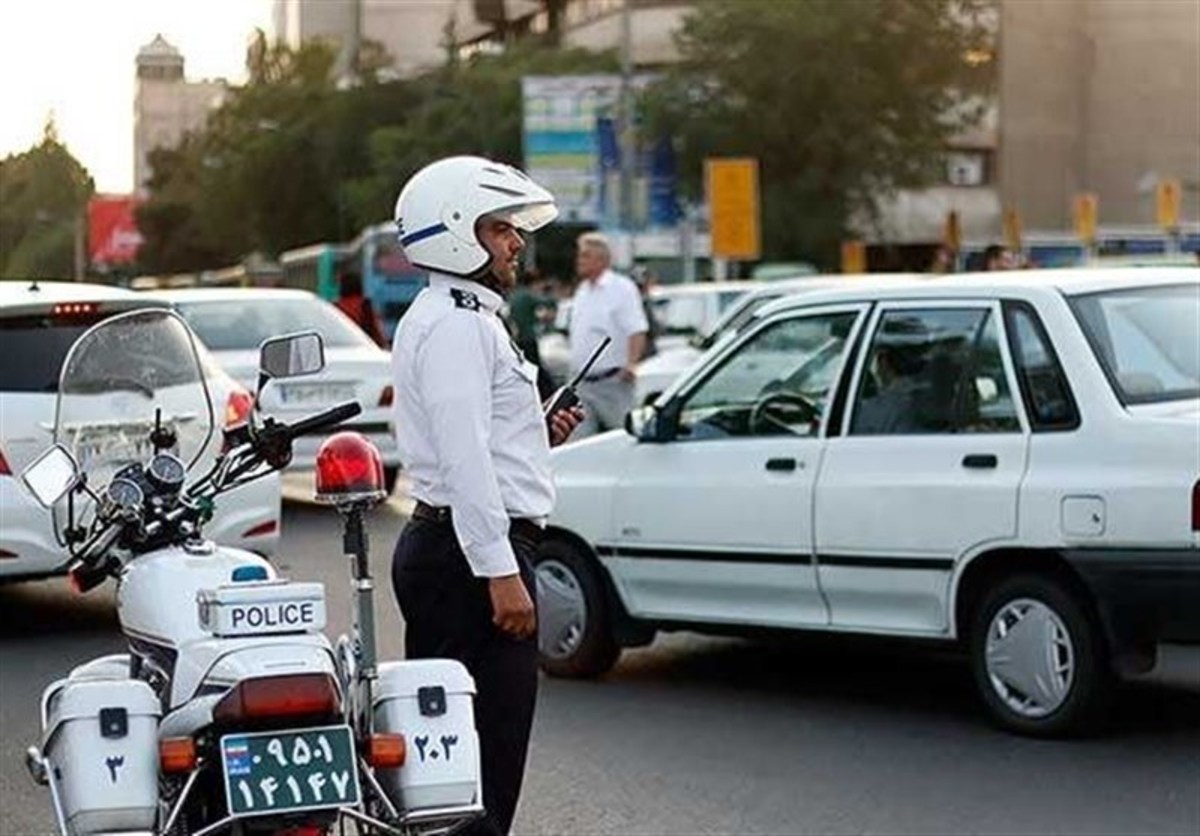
1010, 461
38, 324
233, 322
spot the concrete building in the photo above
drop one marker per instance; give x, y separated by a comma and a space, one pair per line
166, 105
1099, 97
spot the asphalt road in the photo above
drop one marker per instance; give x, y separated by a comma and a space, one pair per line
697, 735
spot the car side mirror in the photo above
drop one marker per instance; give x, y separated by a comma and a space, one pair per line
650, 424
51, 475
290, 355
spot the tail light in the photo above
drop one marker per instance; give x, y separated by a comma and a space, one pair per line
177, 754
71, 309
386, 751
262, 529
274, 697
237, 408
387, 396
5, 470
1196, 506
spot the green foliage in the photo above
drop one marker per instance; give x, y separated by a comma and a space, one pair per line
467, 107
43, 194
841, 102
290, 159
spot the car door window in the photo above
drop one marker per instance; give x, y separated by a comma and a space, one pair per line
934, 371
775, 383
1048, 398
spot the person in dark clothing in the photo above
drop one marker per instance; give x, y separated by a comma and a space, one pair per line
354, 304
524, 306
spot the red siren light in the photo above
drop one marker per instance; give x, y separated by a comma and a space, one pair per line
349, 469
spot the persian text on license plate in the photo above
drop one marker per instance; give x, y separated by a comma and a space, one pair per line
302, 394
289, 771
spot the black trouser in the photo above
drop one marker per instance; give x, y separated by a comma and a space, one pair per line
448, 614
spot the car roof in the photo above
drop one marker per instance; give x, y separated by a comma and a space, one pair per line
703, 287
1069, 282
25, 296
233, 294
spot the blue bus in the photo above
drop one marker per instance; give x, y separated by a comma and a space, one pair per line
389, 280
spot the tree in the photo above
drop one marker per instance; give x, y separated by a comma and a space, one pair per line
466, 107
43, 195
840, 102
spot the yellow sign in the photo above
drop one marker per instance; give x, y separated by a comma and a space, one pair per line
1168, 199
1012, 230
732, 187
1087, 213
854, 257
952, 231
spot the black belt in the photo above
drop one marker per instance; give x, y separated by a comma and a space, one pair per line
604, 375
517, 526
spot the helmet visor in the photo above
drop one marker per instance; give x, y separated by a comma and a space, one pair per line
529, 218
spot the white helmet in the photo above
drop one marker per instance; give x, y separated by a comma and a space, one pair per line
439, 206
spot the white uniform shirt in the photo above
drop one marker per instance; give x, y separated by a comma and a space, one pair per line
469, 423
610, 307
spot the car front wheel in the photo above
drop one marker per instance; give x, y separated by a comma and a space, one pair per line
1038, 657
574, 632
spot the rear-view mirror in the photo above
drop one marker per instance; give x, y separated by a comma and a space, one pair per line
292, 355
51, 475
647, 423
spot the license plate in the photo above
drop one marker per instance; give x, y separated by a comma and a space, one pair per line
305, 394
287, 772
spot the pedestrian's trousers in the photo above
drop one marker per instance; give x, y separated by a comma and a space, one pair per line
448, 614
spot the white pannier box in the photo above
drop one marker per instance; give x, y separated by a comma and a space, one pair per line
257, 607
101, 744
430, 702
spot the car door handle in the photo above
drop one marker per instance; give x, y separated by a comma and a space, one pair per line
980, 460
782, 465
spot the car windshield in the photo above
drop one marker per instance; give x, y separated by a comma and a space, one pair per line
1147, 340
242, 324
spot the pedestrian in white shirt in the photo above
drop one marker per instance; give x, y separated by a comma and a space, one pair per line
476, 447
605, 304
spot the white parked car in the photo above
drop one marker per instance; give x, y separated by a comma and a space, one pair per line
684, 311
38, 324
1010, 461
233, 322
656, 373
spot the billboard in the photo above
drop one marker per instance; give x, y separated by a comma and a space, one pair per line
113, 237
571, 147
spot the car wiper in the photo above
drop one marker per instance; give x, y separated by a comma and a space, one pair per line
122, 383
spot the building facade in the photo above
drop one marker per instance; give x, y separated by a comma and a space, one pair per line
166, 105
1100, 97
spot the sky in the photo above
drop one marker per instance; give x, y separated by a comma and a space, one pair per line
75, 58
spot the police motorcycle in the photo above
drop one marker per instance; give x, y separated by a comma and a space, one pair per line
231, 712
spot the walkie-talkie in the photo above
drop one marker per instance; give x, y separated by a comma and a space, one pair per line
565, 398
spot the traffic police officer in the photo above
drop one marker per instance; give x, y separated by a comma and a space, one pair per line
476, 448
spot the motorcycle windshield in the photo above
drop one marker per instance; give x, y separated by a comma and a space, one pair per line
123, 378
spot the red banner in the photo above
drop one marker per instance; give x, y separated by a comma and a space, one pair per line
113, 236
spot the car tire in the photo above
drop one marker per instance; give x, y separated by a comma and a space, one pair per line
390, 475
1039, 658
575, 637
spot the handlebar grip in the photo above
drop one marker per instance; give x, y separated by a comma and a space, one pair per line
328, 418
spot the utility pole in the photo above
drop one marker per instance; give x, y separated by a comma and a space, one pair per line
628, 145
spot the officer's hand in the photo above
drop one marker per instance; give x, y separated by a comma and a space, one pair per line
628, 373
563, 423
512, 608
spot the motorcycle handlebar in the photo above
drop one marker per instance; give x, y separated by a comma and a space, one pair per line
328, 418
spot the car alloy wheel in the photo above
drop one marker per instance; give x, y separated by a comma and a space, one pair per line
1030, 658
562, 610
